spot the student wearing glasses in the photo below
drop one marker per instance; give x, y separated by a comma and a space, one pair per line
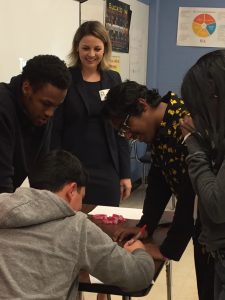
79, 126
139, 113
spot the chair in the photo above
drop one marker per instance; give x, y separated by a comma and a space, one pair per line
146, 162
144, 159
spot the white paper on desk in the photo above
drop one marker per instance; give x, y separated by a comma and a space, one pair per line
128, 213
95, 280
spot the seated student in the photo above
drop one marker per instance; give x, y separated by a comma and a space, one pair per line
45, 241
139, 113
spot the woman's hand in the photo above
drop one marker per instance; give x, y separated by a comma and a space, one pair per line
125, 188
187, 125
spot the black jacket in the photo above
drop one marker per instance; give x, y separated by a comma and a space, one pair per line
72, 116
21, 143
169, 175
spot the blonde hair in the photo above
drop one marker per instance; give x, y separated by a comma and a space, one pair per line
97, 29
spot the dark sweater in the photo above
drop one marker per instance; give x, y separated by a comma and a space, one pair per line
210, 188
21, 143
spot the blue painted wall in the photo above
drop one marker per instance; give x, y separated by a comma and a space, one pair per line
168, 63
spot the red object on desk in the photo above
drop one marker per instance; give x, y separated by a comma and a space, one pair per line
157, 238
114, 219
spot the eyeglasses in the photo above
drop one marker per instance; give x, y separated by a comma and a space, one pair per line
124, 127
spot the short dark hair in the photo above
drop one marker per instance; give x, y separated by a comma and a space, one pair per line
55, 170
43, 69
122, 99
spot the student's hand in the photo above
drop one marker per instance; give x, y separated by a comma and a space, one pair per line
187, 125
123, 233
131, 245
125, 188
155, 252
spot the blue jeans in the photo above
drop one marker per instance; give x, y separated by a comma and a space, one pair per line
219, 283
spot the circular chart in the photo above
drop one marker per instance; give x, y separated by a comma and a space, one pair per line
204, 25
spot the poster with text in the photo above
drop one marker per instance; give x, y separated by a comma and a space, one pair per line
117, 22
201, 27
115, 63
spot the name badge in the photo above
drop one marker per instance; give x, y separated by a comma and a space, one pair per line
103, 94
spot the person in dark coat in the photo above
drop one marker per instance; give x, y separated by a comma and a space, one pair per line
204, 134
27, 104
79, 126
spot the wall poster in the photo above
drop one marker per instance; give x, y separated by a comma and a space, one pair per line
115, 63
201, 26
117, 22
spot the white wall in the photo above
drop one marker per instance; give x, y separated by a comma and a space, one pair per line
139, 41
32, 27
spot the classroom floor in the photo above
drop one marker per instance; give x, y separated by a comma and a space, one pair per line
183, 273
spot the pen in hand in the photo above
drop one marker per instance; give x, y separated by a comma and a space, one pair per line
138, 235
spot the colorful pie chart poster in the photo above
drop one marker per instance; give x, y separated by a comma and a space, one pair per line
201, 27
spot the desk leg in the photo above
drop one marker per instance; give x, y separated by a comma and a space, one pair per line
126, 298
169, 279
80, 296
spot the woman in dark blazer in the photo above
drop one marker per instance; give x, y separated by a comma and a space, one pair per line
79, 126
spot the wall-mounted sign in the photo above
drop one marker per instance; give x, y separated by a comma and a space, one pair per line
202, 27
117, 22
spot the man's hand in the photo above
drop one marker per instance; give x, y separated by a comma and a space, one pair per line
131, 245
155, 252
125, 188
123, 233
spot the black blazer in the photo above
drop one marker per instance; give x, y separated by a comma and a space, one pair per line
72, 116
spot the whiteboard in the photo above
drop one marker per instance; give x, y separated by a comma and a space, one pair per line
32, 27
93, 10
139, 42
133, 65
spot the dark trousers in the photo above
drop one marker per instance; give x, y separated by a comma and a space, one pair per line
219, 287
204, 268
